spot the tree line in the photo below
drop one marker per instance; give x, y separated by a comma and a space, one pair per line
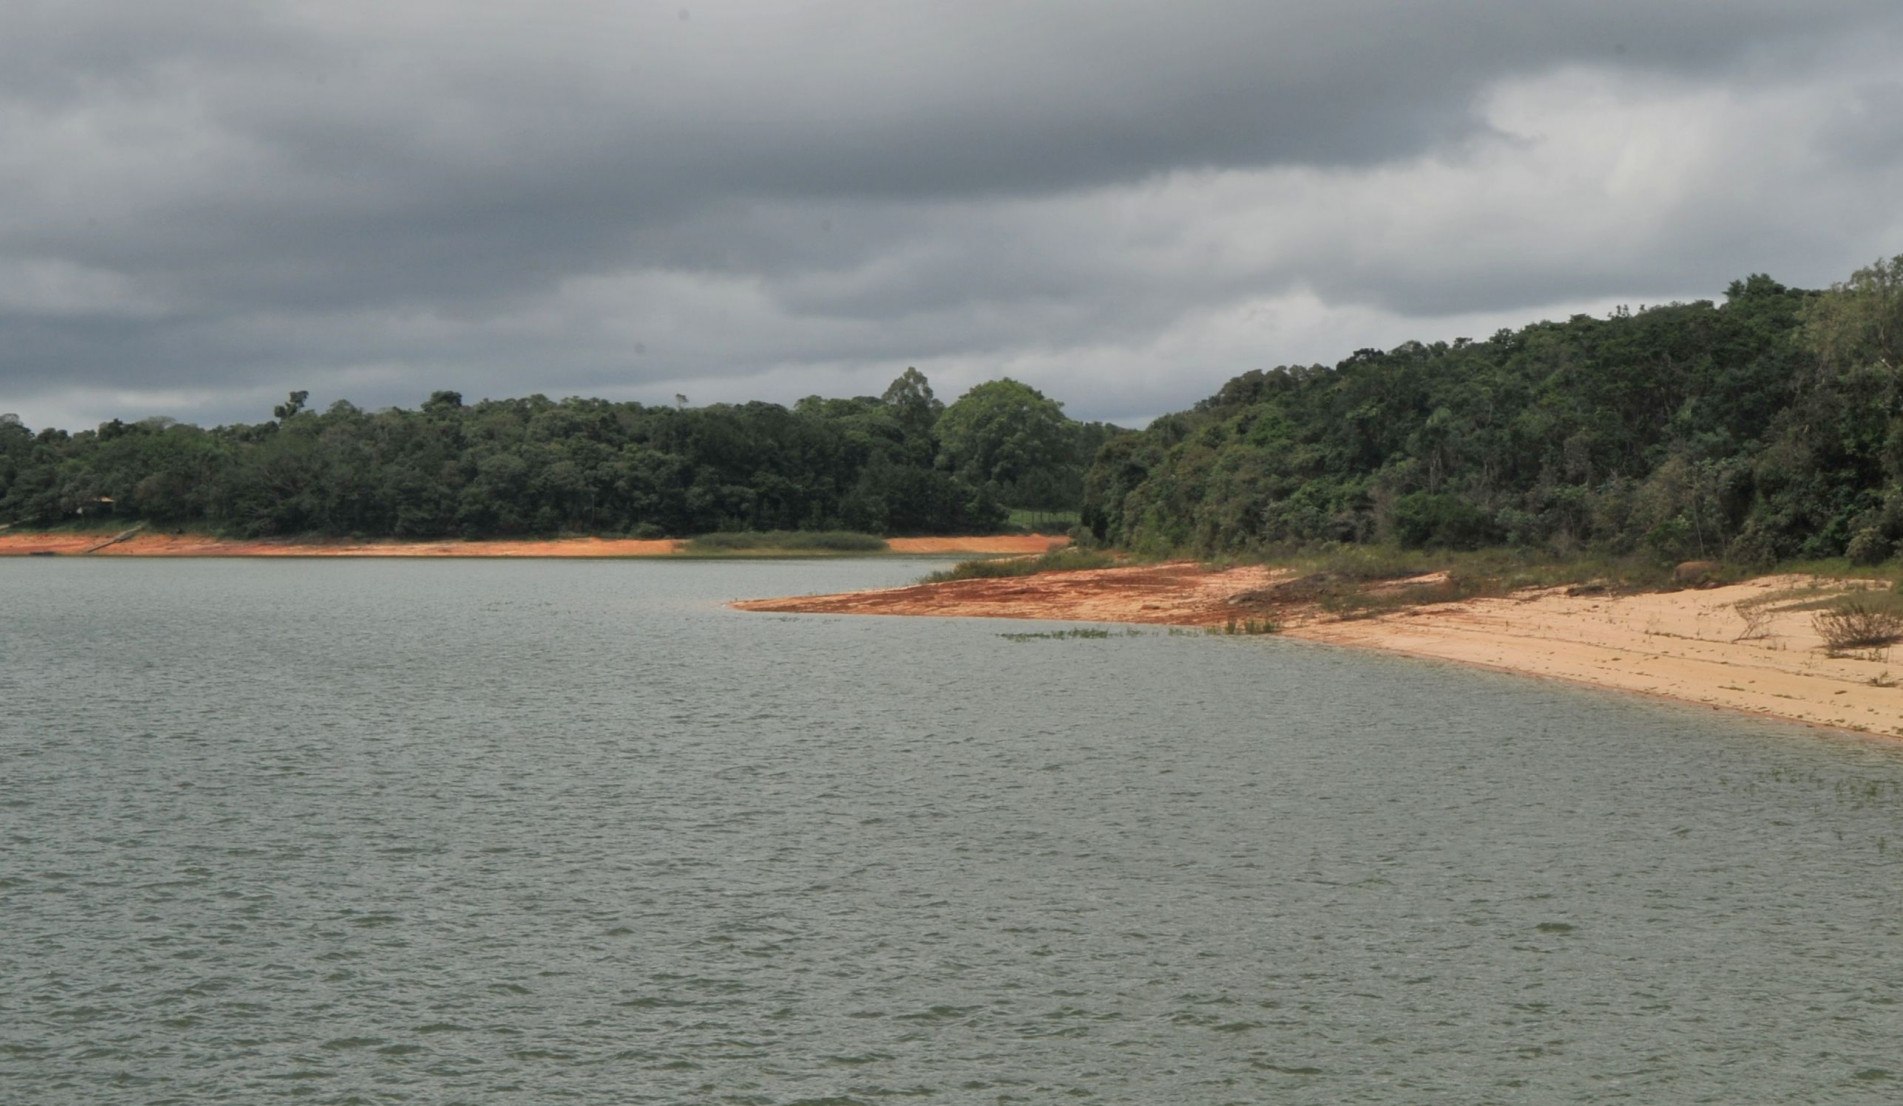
1765, 428
898, 463
1768, 427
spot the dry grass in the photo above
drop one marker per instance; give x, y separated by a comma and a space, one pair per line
1870, 620
1757, 618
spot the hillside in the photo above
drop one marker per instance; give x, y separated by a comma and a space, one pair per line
1764, 428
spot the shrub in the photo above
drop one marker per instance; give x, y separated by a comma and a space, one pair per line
1860, 622
1444, 521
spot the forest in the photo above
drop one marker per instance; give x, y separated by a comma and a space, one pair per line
1763, 429
900, 463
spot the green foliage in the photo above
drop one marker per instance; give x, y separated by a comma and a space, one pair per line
1441, 520
813, 541
1032, 521
1766, 428
513, 467
1086, 633
1067, 559
1009, 438
1249, 626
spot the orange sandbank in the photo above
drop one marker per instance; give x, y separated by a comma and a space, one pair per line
150, 544
1686, 645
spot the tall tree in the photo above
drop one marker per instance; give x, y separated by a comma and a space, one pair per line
1011, 437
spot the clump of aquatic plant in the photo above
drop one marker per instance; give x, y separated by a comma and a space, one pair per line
1084, 632
1249, 626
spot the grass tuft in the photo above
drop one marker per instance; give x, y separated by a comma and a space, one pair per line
801, 541
1088, 633
1249, 626
1869, 620
1067, 559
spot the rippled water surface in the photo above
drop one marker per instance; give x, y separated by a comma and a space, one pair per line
508, 832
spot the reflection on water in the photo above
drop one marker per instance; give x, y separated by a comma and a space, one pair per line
507, 832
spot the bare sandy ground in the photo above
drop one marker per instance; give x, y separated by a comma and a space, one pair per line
1684, 645
147, 544
1693, 646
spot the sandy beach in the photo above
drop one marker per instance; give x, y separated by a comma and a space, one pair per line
152, 544
1694, 645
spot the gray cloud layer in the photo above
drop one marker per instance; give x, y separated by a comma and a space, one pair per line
205, 207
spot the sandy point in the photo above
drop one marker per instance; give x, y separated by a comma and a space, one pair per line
1748, 647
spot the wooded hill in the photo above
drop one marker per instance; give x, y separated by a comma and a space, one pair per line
898, 463
1765, 428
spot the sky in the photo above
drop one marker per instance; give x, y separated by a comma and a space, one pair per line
206, 205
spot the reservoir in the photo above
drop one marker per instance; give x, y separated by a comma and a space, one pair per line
495, 832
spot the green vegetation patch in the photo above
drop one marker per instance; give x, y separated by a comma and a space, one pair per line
1067, 559
1248, 626
788, 541
1034, 521
1748, 432
1363, 581
1087, 633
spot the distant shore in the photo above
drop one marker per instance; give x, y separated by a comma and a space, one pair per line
154, 544
1688, 645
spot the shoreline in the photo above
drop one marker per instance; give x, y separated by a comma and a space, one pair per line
1689, 646
148, 543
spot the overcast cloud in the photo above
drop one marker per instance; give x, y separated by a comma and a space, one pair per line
205, 205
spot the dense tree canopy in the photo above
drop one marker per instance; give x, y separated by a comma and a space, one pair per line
1008, 437
1768, 427
517, 466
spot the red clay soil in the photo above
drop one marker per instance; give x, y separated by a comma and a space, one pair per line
1177, 593
199, 545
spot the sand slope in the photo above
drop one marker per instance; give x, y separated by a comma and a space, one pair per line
1682, 644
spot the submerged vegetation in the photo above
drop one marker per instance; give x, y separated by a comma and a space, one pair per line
1085, 633
1249, 626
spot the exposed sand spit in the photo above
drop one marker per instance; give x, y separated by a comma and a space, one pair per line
1695, 646
1180, 593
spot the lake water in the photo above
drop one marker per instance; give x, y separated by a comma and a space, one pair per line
507, 832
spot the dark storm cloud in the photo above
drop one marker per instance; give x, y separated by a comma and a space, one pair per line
217, 200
